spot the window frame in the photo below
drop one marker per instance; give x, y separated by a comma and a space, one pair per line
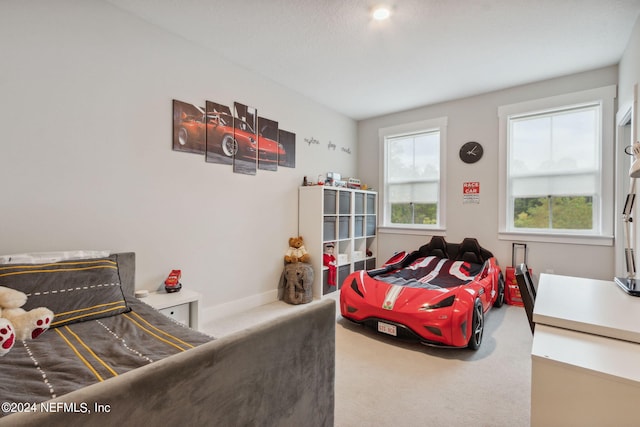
603, 231
429, 125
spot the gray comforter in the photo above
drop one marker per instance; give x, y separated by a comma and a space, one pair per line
70, 357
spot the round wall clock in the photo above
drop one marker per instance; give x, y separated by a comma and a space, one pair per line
471, 152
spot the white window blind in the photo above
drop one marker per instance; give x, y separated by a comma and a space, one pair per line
555, 153
411, 168
556, 168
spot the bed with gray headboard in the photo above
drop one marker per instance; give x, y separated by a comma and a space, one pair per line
110, 359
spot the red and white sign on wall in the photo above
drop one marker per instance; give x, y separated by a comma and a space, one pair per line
471, 192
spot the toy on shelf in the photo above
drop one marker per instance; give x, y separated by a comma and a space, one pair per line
329, 260
172, 284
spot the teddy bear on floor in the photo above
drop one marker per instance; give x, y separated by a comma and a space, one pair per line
296, 251
18, 324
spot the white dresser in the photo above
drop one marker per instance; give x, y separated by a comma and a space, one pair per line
585, 354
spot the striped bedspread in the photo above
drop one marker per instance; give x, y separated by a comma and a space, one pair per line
72, 356
432, 273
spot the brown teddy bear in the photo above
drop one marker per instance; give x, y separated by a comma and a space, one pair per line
296, 251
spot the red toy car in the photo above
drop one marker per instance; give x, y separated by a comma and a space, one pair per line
438, 294
172, 283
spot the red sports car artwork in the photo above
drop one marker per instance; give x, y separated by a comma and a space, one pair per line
437, 295
227, 136
232, 136
192, 131
188, 127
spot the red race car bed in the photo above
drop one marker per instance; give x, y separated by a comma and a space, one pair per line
438, 294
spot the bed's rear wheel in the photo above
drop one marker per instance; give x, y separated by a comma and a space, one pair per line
477, 326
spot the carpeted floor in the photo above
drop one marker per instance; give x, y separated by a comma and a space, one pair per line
381, 381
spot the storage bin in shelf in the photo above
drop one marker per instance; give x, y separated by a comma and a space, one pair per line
371, 203
358, 226
371, 226
330, 202
344, 203
329, 228
359, 203
343, 272
343, 227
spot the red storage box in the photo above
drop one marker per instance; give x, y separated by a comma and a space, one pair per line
511, 290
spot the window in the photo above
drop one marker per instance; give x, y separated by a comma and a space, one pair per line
558, 166
412, 164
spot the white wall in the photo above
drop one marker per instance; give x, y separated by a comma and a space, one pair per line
630, 67
476, 119
630, 76
86, 161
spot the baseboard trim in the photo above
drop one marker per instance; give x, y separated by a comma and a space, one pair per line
230, 308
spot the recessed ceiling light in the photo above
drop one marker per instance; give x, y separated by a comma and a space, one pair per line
381, 13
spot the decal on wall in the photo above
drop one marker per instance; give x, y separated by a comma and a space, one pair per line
235, 137
471, 192
330, 145
311, 140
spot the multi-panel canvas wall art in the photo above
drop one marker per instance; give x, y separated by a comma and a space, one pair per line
236, 137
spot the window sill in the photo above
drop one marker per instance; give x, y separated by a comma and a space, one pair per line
416, 230
557, 238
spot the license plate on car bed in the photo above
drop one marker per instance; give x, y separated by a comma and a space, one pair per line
388, 329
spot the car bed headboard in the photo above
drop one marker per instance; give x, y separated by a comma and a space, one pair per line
438, 246
127, 270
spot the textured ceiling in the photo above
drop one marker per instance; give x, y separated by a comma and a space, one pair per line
428, 51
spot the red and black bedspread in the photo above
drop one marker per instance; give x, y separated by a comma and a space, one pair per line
432, 272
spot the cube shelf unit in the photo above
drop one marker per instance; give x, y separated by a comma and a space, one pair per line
342, 216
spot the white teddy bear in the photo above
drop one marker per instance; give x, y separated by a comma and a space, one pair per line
18, 324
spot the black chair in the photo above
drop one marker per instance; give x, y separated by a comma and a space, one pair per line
529, 280
527, 291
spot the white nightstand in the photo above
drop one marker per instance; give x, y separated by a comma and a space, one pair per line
182, 306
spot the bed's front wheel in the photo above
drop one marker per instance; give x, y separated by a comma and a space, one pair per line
477, 325
501, 290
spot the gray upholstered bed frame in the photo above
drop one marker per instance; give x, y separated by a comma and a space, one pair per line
280, 373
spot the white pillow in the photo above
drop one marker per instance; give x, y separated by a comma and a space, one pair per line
42, 257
